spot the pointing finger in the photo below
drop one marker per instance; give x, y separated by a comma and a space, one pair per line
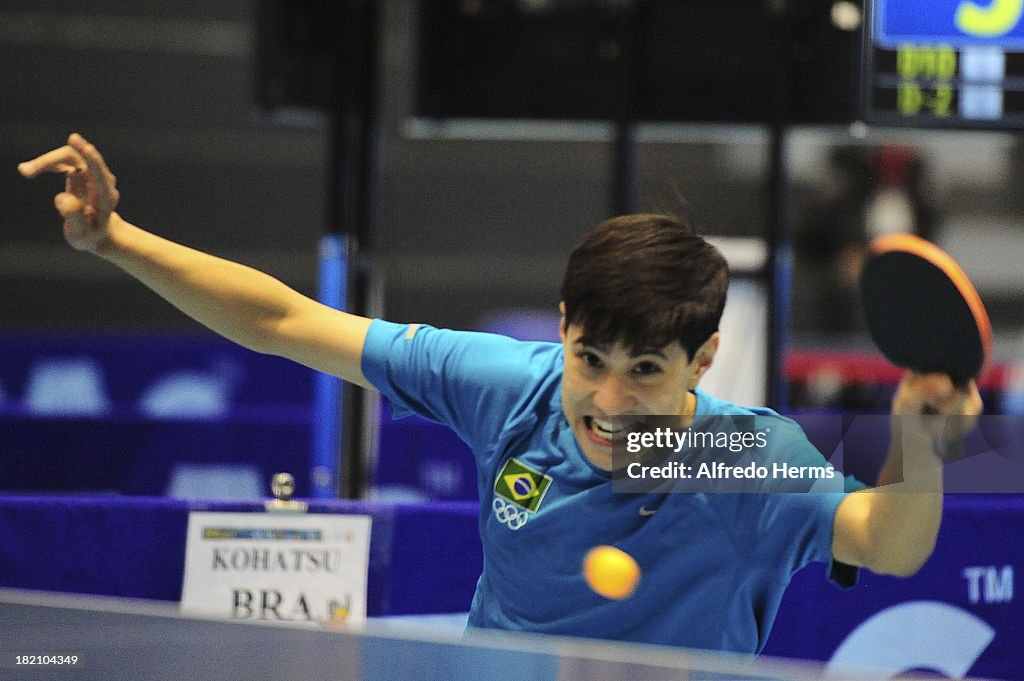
61, 160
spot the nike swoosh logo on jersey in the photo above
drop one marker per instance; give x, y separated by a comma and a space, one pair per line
645, 512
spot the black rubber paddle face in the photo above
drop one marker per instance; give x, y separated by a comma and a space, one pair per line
918, 317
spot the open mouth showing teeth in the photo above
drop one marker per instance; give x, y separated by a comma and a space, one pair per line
608, 430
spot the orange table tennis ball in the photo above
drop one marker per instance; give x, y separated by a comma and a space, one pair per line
611, 572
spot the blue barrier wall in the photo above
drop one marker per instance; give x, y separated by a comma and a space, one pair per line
134, 547
189, 416
959, 615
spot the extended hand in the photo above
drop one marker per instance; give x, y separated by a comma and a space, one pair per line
90, 191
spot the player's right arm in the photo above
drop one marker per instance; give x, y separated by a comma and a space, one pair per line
238, 302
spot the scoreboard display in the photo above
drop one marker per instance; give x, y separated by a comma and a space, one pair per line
945, 63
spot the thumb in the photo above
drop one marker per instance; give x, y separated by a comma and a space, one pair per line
73, 210
68, 205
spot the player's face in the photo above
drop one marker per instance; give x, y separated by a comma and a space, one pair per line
604, 388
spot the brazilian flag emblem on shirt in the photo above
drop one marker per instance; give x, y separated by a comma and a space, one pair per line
521, 485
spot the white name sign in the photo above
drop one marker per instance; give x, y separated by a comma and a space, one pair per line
293, 567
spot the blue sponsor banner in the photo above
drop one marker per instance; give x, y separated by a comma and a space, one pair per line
960, 615
960, 23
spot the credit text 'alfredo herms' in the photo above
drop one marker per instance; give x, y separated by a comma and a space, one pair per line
719, 470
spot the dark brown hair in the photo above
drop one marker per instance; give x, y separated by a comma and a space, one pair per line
645, 281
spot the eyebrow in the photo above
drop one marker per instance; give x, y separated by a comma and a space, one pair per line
657, 352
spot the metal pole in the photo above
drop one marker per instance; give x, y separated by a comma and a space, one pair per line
338, 466
328, 390
632, 24
780, 256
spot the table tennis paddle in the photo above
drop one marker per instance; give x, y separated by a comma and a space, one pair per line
924, 314
922, 310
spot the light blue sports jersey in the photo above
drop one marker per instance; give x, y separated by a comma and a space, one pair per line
714, 565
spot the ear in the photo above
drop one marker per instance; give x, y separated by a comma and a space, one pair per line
704, 358
561, 323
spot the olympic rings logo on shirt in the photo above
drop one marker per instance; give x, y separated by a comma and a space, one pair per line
509, 514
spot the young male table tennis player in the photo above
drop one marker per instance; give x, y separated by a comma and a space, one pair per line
641, 303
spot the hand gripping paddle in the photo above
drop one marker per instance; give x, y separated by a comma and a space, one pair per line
922, 310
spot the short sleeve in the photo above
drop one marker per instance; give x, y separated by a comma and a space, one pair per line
474, 383
795, 529
795, 522
811, 514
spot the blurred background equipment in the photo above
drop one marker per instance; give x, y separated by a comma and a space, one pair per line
470, 218
696, 60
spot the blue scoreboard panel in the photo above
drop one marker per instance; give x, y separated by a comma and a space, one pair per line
945, 63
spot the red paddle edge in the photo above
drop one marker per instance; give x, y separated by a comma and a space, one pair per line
915, 245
